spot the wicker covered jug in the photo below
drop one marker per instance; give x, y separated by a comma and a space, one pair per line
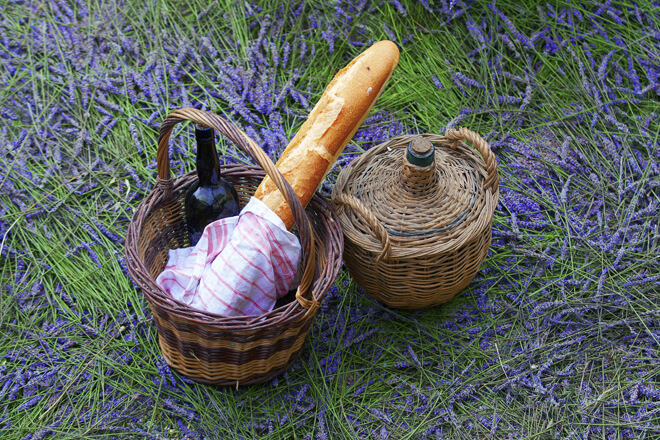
416, 213
228, 350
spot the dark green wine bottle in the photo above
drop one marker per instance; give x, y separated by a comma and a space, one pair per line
211, 197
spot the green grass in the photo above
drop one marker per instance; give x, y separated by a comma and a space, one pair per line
61, 310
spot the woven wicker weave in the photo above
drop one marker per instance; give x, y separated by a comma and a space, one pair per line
415, 238
217, 349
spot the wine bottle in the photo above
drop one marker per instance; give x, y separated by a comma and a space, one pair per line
211, 197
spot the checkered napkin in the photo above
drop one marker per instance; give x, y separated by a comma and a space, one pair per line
240, 266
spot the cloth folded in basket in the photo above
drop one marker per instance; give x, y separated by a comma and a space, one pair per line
240, 266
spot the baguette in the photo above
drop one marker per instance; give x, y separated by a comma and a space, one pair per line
343, 107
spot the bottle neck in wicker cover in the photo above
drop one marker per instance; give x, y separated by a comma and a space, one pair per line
434, 208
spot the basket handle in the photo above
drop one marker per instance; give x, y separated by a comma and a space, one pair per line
462, 133
246, 144
376, 226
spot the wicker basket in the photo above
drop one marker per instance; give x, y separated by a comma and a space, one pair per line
414, 240
217, 349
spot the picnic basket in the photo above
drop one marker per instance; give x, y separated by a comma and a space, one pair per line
216, 349
415, 238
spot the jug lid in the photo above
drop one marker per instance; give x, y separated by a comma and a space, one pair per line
424, 190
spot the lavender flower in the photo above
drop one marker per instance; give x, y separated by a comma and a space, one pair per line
603, 65
460, 78
400, 8
436, 82
512, 28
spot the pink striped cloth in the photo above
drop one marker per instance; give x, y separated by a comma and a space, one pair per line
240, 266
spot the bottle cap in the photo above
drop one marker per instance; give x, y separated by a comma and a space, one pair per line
204, 132
420, 152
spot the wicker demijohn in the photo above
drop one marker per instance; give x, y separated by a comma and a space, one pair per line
217, 349
414, 235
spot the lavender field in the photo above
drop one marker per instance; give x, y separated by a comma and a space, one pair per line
557, 337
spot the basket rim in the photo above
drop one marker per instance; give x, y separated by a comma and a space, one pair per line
372, 244
292, 311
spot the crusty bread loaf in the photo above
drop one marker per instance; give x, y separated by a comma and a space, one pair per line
345, 104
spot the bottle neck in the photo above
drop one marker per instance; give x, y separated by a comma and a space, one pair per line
419, 172
208, 164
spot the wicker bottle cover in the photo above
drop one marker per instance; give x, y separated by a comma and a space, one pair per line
419, 176
416, 213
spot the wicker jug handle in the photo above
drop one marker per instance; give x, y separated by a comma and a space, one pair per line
375, 225
246, 144
462, 133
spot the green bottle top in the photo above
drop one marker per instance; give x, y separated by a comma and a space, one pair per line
420, 152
